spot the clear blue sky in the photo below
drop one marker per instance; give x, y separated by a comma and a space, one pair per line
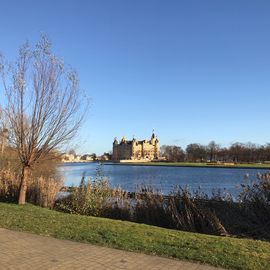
194, 71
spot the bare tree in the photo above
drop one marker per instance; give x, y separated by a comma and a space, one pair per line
72, 152
44, 106
3, 132
173, 153
213, 149
196, 152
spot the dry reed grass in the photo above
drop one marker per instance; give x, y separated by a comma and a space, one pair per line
41, 191
96, 198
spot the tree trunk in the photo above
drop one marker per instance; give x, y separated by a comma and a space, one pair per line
23, 185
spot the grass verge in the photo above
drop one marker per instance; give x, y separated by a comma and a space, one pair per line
230, 253
197, 164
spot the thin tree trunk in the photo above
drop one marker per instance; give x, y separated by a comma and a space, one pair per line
23, 185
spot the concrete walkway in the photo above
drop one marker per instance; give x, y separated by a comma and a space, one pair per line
20, 250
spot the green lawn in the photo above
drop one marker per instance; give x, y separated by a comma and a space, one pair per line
226, 252
198, 164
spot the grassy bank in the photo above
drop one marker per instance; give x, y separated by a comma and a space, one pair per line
226, 252
198, 164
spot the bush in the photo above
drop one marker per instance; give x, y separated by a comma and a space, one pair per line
95, 198
88, 199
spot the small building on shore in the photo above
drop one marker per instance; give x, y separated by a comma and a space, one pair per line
78, 158
134, 150
88, 157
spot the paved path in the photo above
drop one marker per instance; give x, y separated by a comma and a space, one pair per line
20, 250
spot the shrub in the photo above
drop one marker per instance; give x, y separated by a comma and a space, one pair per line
88, 199
96, 198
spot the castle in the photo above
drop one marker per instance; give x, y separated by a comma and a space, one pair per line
136, 150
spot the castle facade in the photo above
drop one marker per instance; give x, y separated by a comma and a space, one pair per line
136, 150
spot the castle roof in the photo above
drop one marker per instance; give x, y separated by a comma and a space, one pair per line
124, 141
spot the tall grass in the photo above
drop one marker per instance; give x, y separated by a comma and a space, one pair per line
96, 198
9, 186
257, 191
190, 214
41, 190
218, 214
179, 210
43, 186
151, 207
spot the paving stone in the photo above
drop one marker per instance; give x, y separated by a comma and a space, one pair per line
20, 250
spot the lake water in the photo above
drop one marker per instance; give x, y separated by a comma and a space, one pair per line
129, 177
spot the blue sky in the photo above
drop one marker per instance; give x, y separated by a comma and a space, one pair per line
194, 71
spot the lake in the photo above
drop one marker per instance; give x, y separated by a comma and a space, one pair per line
161, 177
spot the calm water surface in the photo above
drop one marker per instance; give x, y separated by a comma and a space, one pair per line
163, 178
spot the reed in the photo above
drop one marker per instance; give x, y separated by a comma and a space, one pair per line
218, 214
9, 186
41, 191
96, 198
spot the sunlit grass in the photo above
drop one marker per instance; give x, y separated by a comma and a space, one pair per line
226, 252
200, 164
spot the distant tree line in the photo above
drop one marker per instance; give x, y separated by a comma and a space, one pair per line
237, 152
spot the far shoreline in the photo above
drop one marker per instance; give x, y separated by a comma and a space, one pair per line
193, 165
179, 164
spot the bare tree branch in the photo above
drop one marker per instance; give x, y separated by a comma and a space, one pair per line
44, 103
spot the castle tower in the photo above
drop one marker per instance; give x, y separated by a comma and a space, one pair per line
153, 138
115, 149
